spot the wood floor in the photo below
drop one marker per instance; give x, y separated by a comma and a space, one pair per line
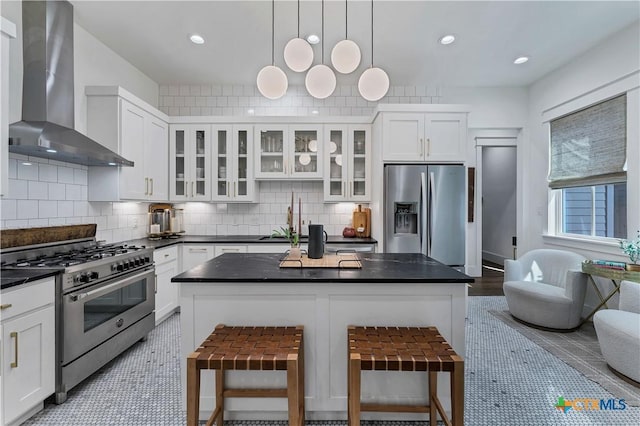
490, 284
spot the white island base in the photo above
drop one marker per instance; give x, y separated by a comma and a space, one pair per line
325, 310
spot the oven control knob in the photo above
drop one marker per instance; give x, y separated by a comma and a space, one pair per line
120, 267
94, 275
136, 261
147, 259
84, 278
131, 264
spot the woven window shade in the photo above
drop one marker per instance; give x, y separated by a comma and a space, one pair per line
589, 147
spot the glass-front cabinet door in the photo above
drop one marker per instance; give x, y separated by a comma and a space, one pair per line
305, 152
347, 153
233, 164
190, 148
271, 157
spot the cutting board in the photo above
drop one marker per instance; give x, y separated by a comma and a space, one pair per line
360, 223
334, 261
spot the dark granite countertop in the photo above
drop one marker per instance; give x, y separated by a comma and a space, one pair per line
14, 277
376, 267
237, 239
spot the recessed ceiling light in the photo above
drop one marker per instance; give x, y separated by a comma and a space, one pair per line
197, 39
53, 151
448, 39
313, 39
520, 60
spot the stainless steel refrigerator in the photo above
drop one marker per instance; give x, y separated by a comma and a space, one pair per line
425, 211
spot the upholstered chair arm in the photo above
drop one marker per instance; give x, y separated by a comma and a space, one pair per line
629, 297
512, 270
575, 285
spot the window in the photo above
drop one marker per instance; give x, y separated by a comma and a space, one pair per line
588, 167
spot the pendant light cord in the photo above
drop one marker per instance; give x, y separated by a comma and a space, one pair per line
371, 33
346, 20
322, 31
298, 18
273, 61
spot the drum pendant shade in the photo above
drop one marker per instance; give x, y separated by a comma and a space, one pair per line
373, 84
272, 82
320, 81
345, 56
298, 54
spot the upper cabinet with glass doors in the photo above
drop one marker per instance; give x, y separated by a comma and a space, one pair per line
190, 162
347, 172
288, 152
233, 164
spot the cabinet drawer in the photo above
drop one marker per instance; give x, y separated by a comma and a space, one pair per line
27, 297
222, 249
165, 255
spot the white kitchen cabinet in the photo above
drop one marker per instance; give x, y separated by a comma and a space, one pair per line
28, 349
221, 249
233, 164
347, 163
195, 254
288, 152
7, 32
416, 136
136, 131
166, 261
190, 162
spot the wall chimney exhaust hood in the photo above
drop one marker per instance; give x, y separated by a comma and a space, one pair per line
46, 129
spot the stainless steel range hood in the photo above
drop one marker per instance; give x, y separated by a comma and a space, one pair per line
46, 129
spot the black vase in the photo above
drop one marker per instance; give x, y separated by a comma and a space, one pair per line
317, 238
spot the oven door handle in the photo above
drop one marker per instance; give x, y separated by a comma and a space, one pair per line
106, 289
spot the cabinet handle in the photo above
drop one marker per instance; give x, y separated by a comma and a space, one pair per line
234, 189
428, 147
5, 306
146, 186
155, 283
192, 188
166, 255
351, 193
151, 181
186, 188
344, 189
200, 250
14, 335
421, 145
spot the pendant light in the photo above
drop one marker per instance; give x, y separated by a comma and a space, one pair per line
321, 80
374, 82
298, 53
272, 81
345, 55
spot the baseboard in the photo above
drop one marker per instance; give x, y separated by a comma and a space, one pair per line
494, 257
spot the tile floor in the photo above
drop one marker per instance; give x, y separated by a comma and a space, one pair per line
509, 381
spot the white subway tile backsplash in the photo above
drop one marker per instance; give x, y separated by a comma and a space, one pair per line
37, 223
65, 175
19, 223
57, 221
74, 192
47, 209
27, 170
47, 173
80, 208
57, 191
38, 190
27, 209
65, 208
9, 209
13, 168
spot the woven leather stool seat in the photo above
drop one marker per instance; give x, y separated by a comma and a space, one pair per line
248, 348
404, 349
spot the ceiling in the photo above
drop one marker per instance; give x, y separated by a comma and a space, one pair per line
153, 36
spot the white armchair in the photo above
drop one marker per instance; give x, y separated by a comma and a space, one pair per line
618, 332
546, 288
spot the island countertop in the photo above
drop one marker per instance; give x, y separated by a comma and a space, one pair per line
376, 267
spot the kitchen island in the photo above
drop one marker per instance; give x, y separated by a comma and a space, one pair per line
390, 289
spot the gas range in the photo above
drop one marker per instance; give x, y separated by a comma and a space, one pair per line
81, 263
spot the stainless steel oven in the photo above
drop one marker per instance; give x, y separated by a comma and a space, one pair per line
93, 314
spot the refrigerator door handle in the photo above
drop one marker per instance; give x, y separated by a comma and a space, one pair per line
424, 244
432, 197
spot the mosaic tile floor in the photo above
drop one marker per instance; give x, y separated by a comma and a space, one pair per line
509, 381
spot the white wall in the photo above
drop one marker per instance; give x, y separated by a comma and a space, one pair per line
498, 202
491, 107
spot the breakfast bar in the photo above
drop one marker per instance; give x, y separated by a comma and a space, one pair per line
390, 289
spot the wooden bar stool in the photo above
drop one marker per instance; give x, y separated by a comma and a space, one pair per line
248, 348
404, 349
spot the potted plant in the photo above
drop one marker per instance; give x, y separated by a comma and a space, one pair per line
294, 240
632, 249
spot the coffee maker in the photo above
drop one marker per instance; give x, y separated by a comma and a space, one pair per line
165, 221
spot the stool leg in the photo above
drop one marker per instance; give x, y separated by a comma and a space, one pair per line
457, 393
353, 402
193, 390
220, 396
433, 395
301, 383
293, 391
